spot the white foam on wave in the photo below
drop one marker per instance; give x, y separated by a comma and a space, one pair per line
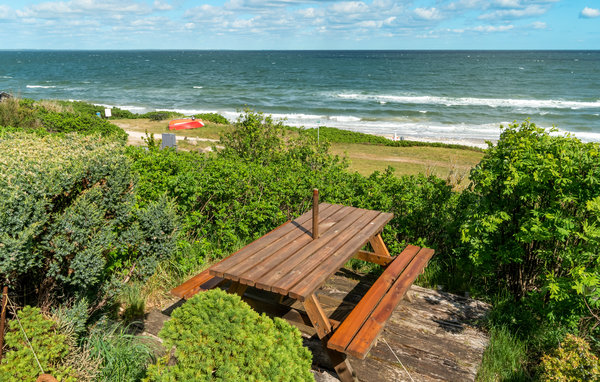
6, 77
198, 87
470, 101
40, 86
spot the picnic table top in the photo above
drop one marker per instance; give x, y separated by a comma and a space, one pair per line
288, 261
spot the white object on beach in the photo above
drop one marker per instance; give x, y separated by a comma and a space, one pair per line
107, 113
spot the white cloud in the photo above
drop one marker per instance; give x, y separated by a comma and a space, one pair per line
539, 25
491, 28
6, 12
428, 13
59, 9
529, 11
162, 6
349, 7
589, 13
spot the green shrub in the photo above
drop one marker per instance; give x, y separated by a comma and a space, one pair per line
19, 114
49, 346
534, 221
219, 337
572, 361
68, 218
81, 123
161, 115
213, 117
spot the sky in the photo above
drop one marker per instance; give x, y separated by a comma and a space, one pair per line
300, 24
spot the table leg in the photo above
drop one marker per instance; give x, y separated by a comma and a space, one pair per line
323, 327
379, 246
237, 288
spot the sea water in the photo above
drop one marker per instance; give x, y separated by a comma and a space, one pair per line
450, 96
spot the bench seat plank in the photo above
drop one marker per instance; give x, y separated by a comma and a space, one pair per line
365, 338
357, 333
202, 281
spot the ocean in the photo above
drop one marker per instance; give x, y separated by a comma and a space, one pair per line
447, 96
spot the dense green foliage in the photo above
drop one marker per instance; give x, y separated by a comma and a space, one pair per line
534, 222
572, 361
219, 337
212, 117
33, 339
254, 185
25, 114
68, 219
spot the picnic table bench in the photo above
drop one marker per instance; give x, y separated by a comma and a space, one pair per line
299, 256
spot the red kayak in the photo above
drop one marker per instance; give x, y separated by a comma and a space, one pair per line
188, 123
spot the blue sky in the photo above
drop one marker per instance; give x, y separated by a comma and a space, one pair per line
300, 24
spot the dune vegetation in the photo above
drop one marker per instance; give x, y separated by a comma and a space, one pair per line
93, 232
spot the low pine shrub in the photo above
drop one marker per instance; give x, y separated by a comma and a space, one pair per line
51, 348
219, 337
161, 115
571, 361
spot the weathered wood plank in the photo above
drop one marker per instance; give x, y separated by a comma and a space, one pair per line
311, 259
262, 262
292, 261
364, 339
328, 267
239, 256
351, 325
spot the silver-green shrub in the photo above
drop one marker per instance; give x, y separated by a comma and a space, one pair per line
69, 223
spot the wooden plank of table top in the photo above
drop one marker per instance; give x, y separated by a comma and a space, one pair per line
289, 263
265, 263
284, 284
365, 338
353, 322
260, 254
248, 250
332, 263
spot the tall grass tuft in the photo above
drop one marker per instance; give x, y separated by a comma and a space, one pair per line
123, 356
504, 359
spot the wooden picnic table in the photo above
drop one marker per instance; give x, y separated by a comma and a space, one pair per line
289, 262
298, 257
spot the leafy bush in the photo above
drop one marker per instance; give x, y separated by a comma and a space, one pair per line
572, 361
85, 108
212, 117
217, 336
161, 115
534, 221
51, 349
81, 123
68, 219
19, 113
